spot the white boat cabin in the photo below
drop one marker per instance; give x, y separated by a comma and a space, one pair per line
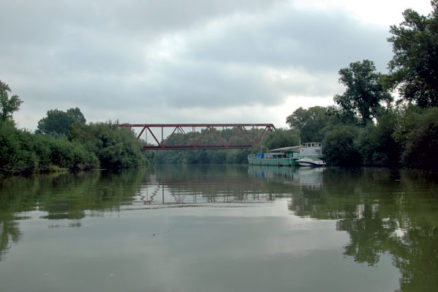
311, 149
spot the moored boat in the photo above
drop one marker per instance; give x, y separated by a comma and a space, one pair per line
309, 154
310, 161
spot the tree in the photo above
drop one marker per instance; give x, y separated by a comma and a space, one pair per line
418, 137
310, 122
115, 147
364, 91
339, 146
376, 142
279, 138
8, 105
414, 67
59, 123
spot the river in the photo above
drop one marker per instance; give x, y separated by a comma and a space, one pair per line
220, 228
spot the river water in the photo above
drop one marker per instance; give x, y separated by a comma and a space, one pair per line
220, 228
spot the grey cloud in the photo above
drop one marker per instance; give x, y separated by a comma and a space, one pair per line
209, 85
313, 41
219, 85
98, 35
97, 55
46, 20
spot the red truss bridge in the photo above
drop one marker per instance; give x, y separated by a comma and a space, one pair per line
200, 136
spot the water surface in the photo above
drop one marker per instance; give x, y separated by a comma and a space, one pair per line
220, 228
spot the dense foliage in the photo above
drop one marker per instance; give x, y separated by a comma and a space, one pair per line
23, 152
339, 146
363, 128
366, 128
59, 123
101, 145
232, 156
277, 139
64, 141
309, 123
418, 137
8, 104
364, 92
414, 67
114, 147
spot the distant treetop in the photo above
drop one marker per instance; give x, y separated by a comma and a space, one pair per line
59, 123
8, 105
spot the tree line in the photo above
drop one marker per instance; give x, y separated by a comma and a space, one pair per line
271, 140
366, 126
63, 141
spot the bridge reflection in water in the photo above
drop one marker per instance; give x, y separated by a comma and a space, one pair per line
385, 213
197, 188
164, 195
200, 186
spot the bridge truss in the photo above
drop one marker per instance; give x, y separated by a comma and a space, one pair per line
200, 136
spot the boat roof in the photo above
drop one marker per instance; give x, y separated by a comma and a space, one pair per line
286, 149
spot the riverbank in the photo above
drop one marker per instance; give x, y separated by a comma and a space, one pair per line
92, 146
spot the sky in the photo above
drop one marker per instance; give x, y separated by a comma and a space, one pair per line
188, 61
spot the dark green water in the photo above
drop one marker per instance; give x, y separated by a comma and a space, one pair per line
220, 228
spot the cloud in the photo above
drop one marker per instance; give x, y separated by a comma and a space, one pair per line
287, 37
168, 60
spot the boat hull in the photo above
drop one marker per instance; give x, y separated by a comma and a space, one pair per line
273, 161
311, 162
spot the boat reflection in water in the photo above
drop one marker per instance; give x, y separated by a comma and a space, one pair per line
254, 217
383, 211
307, 177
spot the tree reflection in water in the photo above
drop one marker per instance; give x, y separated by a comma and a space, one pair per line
383, 211
61, 196
72, 197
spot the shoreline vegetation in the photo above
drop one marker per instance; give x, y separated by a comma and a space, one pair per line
64, 142
365, 127
91, 146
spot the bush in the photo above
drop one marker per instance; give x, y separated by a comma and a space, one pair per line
71, 155
418, 137
23, 152
339, 147
376, 143
14, 154
114, 147
279, 138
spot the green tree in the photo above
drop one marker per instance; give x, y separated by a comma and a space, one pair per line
414, 67
310, 122
376, 142
8, 105
14, 156
340, 148
364, 91
59, 123
279, 138
115, 147
418, 138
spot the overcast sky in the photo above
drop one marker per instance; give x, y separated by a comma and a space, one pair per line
165, 61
